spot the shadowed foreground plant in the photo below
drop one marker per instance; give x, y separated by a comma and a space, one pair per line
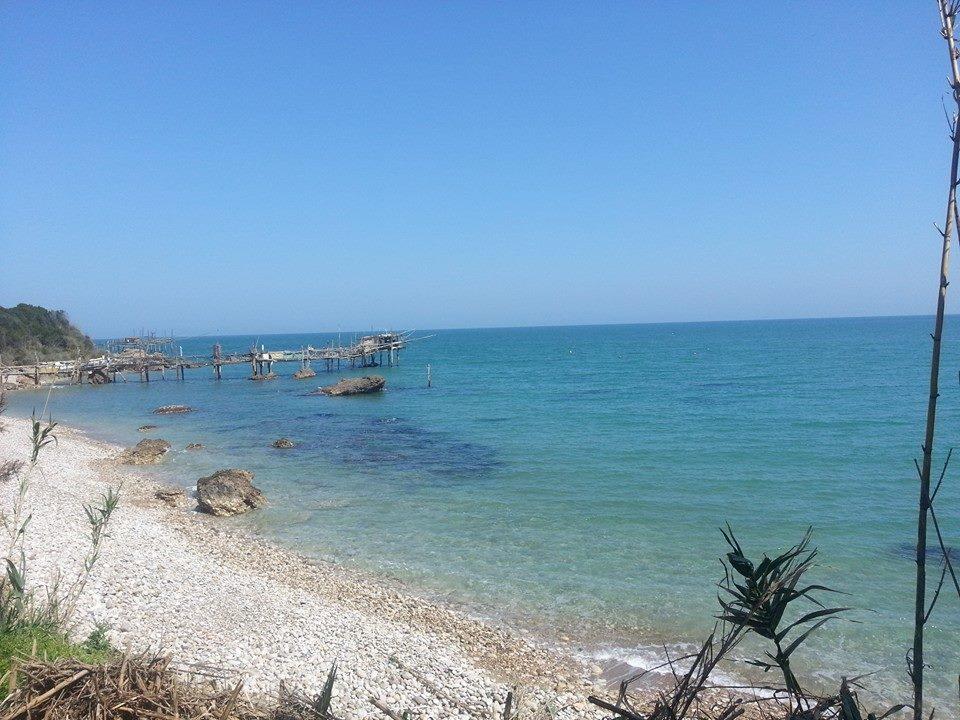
758, 597
754, 598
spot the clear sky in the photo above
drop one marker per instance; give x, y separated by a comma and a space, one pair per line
256, 167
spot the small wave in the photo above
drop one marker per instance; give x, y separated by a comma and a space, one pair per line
620, 663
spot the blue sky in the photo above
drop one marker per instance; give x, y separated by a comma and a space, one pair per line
258, 167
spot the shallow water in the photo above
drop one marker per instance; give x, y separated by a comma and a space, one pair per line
572, 480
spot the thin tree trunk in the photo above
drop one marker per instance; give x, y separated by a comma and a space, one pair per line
947, 12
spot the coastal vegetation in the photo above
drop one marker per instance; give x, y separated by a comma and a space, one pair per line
29, 333
32, 625
762, 599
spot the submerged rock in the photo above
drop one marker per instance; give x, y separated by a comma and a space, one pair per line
172, 409
146, 428
194, 446
283, 443
304, 373
354, 386
171, 496
145, 452
228, 492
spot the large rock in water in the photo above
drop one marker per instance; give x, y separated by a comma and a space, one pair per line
228, 492
354, 386
145, 452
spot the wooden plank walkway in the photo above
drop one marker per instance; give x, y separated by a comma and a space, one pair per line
142, 356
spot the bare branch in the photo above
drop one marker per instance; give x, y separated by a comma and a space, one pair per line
943, 575
943, 472
948, 563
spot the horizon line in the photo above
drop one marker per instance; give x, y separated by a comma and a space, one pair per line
564, 325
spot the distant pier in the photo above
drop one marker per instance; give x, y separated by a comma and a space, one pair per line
140, 356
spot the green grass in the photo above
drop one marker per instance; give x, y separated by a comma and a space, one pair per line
50, 645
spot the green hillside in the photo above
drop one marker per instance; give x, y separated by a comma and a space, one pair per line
28, 331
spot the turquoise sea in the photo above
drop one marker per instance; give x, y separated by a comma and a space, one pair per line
572, 480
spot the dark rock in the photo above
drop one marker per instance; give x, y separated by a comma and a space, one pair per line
354, 386
195, 446
228, 492
283, 443
172, 496
172, 410
98, 377
145, 452
261, 378
146, 428
304, 373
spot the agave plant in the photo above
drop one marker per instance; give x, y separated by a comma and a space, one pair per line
758, 596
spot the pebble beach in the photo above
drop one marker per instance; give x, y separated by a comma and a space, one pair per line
235, 605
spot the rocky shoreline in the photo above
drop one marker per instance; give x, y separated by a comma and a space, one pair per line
217, 597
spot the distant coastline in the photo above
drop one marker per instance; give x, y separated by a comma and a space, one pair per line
553, 326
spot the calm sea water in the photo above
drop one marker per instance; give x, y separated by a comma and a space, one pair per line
572, 480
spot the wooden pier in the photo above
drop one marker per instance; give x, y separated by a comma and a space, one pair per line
138, 357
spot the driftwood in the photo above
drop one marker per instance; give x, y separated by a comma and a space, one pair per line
124, 688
